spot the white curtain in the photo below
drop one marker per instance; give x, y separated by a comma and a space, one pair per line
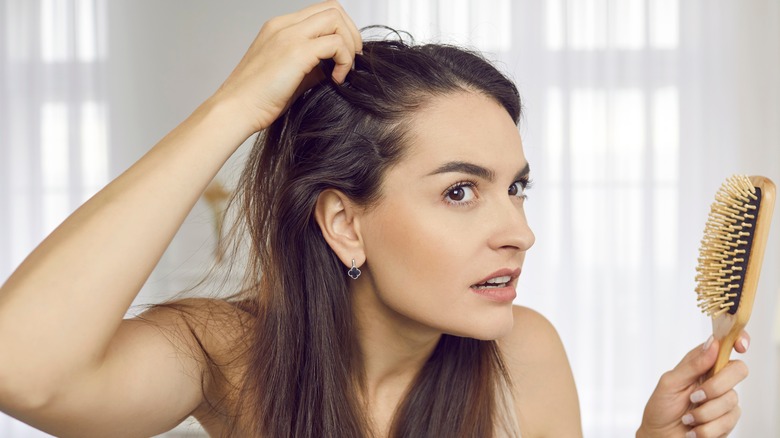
635, 112
53, 149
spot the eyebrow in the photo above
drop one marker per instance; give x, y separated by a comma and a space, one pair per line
477, 170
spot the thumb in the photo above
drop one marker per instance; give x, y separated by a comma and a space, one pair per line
695, 364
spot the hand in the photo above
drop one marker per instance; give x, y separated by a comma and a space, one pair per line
282, 62
681, 406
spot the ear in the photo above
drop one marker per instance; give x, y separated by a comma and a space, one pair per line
340, 225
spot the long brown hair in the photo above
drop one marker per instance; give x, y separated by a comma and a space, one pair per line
304, 367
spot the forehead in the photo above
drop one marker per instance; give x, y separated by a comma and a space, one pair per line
464, 126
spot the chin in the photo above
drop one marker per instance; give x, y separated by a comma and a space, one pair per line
488, 328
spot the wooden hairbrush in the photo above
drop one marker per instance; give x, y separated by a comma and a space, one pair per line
730, 257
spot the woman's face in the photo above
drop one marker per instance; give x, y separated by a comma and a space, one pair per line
451, 218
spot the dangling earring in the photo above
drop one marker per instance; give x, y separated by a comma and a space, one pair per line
354, 272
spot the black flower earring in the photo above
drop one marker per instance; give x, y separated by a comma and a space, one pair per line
354, 272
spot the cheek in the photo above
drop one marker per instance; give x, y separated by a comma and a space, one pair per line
419, 263
422, 259
411, 247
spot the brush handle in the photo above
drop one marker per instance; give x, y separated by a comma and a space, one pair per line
726, 329
724, 353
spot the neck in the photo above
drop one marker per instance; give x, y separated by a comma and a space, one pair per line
394, 349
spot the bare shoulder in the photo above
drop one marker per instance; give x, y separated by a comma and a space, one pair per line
219, 327
547, 402
159, 366
217, 333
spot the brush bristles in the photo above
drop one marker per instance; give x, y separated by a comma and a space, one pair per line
725, 246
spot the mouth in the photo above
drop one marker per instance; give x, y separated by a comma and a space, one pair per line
499, 279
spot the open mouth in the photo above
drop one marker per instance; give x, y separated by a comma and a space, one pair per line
494, 283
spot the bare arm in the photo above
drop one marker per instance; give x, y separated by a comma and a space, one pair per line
63, 305
61, 310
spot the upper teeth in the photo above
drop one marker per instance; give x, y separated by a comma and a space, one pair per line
499, 280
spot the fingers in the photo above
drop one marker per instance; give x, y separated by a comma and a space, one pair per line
323, 27
721, 383
696, 363
712, 410
743, 342
329, 47
719, 427
352, 27
717, 409
303, 14
317, 25
684, 401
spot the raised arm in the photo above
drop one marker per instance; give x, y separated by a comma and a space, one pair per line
61, 327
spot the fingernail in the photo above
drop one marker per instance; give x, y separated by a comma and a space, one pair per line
687, 419
690, 434
745, 343
698, 396
707, 344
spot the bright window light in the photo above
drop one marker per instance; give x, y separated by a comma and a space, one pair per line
554, 27
666, 135
664, 24
54, 163
665, 222
55, 30
588, 135
554, 131
94, 148
626, 218
587, 24
86, 42
628, 23
415, 17
490, 26
484, 24
627, 135
54, 145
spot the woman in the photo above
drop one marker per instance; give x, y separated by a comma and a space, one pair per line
384, 209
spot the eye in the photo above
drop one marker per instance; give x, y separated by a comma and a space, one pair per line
460, 193
518, 188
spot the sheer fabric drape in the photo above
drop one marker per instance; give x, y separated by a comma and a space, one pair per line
635, 111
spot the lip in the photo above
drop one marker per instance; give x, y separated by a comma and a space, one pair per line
513, 273
502, 294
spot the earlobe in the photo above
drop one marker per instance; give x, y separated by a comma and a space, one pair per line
340, 226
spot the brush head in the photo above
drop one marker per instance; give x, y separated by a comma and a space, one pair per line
726, 246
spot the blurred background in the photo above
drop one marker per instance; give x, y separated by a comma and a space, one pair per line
635, 112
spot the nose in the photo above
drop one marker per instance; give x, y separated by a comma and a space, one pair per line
511, 230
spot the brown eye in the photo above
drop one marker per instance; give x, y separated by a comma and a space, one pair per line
517, 189
457, 194
460, 193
